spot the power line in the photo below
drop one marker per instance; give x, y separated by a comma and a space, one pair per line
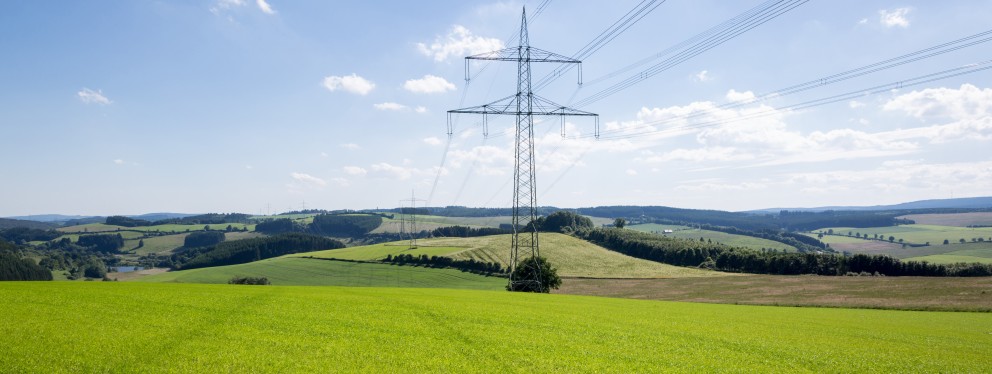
605, 37
874, 90
738, 25
922, 54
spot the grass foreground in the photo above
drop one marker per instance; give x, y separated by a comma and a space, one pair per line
112, 327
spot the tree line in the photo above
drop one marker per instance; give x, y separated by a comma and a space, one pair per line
249, 250
691, 253
470, 265
17, 268
340, 225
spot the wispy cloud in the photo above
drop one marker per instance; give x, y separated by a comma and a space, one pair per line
308, 179
432, 141
703, 76
349, 83
351, 146
354, 170
389, 106
265, 7
458, 43
893, 18
89, 96
429, 84
420, 109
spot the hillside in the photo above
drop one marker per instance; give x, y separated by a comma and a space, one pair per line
294, 271
573, 257
958, 203
225, 328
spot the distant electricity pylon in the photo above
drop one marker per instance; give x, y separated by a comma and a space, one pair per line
524, 105
411, 218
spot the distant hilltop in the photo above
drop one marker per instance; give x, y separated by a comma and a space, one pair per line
959, 203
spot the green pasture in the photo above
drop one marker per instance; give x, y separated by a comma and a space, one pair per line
294, 271
379, 251
954, 253
918, 234
733, 240
100, 227
137, 327
167, 243
573, 257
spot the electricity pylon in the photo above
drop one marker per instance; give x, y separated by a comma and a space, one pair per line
524, 105
412, 217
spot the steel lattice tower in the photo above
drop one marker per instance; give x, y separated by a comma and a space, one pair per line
524, 105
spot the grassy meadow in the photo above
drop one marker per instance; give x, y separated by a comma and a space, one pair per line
380, 251
734, 240
936, 252
137, 327
295, 271
573, 257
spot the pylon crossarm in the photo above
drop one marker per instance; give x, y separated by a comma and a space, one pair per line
514, 54
508, 106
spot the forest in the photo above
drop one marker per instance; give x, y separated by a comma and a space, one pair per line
686, 252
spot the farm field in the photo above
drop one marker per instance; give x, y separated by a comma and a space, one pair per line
294, 271
167, 243
396, 225
432, 222
919, 234
573, 257
101, 227
379, 251
226, 328
952, 219
951, 293
685, 232
968, 252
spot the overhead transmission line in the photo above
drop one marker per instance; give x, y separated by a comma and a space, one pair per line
874, 90
605, 37
709, 39
919, 55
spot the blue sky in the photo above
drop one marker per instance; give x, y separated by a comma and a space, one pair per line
130, 107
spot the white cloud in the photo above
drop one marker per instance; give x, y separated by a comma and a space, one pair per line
354, 170
349, 83
854, 104
420, 109
389, 106
308, 179
458, 43
89, 96
428, 84
745, 96
119, 161
863, 21
265, 7
221, 5
703, 76
968, 108
432, 140
351, 146
895, 17
631, 172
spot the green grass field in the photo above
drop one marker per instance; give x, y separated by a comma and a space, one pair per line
293, 271
379, 251
936, 252
919, 234
100, 227
167, 243
952, 219
573, 257
685, 232
93, 327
